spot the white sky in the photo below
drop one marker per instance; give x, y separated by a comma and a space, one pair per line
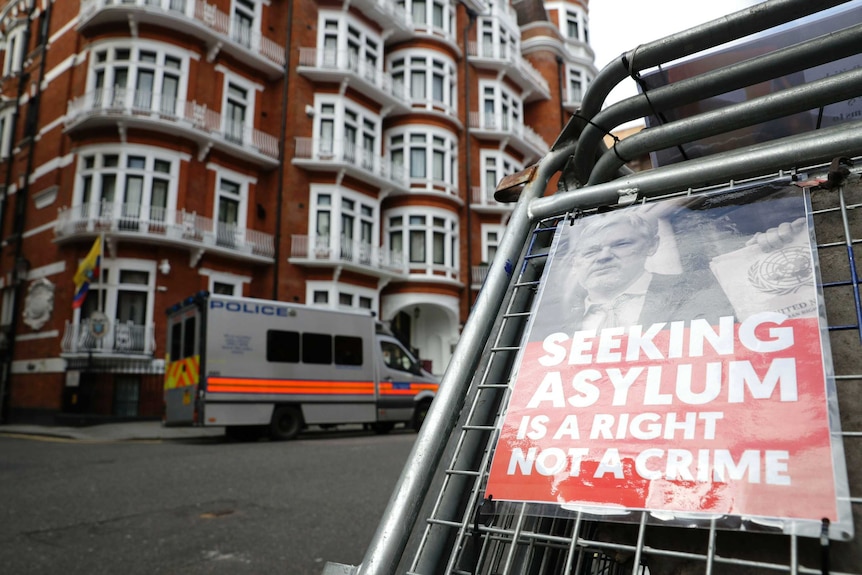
617, 26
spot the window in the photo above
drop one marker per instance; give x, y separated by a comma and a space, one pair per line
314, 348
431, 240
347, 132
141, 77
576, 86
428, 79
431, 16
344, 219
346, 44
338, 295
227, 212
282, 346
501, 110
183, 336
6, 131
235, 112
244, 23
124, 292
573, 26
220, 288
432, 157
491, 236
496, 166
396, 357
14, 50
135, 186
496, 41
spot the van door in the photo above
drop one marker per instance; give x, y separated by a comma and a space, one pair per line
183, 367
403, 384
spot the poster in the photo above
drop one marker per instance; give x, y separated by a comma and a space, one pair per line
676, 362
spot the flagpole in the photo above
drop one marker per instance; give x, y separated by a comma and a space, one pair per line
101, 266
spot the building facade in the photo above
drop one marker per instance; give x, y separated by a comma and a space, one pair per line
333, 154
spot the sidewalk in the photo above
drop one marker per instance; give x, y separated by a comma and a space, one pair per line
127, 431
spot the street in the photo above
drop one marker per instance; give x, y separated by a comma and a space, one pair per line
193, 507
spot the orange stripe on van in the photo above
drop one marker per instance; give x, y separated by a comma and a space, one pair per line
288, 386
406, 388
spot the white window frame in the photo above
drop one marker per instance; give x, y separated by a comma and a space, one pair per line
251, 89
236, 34
344, 27
487, 243
508, 108
322, 245
14, 47
111, 290
6, 115
498, 41
406, 67
403, 221
502, 165
129, 96
95, 209
244, 183
408, 141
421, 15
235, 280
334, 289
338, 112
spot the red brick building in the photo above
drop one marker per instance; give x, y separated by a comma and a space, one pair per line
334, 154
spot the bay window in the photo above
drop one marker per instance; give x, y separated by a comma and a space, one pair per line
428, 78
431, 155
430, 240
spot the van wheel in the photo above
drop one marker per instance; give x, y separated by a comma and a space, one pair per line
286, 422
420, 414
382, 427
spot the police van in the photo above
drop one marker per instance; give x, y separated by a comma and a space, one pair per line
257, 366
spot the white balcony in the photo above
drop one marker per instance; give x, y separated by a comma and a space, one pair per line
163, 226
155, 112
503, 129
347, 69
482, 200
122, 339
388, 14
477, 275
319, 154
503, 57
197, 18
321, 251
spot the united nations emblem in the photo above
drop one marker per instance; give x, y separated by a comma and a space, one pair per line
782, 272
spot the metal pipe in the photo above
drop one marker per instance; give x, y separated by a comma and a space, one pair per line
401, 513
687, 42
810, 148
770, 107
779, 63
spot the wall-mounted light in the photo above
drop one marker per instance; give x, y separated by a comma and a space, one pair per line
416, 312
165, 267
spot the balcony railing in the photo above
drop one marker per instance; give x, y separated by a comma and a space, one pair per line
502, 126
341, 62
119, 339
163, 225
200, 14
478, 274
322, 249
484, 198
340, 153
519, 68
170, 113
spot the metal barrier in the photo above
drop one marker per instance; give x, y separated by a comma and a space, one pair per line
439, 521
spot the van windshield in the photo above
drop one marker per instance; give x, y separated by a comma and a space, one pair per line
397, 357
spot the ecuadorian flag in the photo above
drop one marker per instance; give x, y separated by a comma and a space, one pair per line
87, 271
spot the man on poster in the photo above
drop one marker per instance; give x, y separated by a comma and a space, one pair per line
638, 389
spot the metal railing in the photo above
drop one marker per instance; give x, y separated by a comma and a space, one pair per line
349, 62
338, 152
433, 523
120, 338
511, 55
169, 110
201, 13
322, 249
161, 223
505, 126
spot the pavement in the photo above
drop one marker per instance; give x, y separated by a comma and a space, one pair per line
110, 432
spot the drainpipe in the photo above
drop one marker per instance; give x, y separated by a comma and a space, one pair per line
468, 155
282, 152
21, 195
560, 77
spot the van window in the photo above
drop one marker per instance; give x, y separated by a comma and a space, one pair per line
282, 346
316, 348
348, 350
189, 336
176, 341
396, 358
